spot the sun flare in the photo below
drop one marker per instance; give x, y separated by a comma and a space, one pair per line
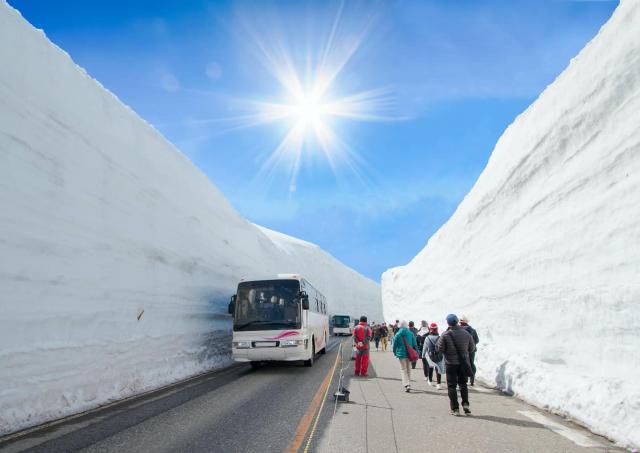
309, 103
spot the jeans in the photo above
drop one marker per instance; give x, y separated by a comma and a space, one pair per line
405, 372
455, 378
377, 342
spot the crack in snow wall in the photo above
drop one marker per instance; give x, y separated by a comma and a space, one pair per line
103, 222
543, 254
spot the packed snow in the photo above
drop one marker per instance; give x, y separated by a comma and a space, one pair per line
118, 257
543, 254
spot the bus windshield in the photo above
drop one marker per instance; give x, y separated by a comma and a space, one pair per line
267, 305
341, 320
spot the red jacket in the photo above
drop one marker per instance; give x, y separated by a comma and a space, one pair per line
362, 336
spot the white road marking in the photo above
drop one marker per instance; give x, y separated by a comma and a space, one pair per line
573, 435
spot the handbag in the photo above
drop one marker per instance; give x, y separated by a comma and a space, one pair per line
465, 366
411, 353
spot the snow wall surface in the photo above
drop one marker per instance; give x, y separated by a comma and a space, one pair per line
103, 222
543, 254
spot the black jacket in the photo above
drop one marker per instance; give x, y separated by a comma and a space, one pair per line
473, 332
463, 341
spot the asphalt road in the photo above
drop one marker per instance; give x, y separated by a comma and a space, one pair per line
234, 410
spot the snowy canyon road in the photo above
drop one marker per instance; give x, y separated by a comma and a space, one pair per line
275, 409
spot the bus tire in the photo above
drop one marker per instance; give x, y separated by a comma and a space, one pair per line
309, 363
255, 365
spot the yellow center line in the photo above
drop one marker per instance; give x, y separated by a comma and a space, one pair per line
316, 405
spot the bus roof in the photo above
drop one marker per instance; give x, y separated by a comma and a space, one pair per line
277, 277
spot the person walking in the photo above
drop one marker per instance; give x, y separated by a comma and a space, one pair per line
456, 344
384, 335
431, 359
394, 328
376, 336
362, 337
421, 335
464, 323
414, 331
401, 340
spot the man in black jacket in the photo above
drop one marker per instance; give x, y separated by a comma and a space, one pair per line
464, 323
456, 344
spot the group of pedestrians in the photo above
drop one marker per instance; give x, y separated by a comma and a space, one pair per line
451, 353
380, 336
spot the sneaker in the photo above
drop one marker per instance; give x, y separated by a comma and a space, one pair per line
426, 379
407, 388
455, 412
466, 409
438, 387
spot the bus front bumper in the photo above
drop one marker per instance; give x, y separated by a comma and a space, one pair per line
267, 354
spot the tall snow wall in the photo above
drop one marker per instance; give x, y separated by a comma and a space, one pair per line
543, 254
117, 256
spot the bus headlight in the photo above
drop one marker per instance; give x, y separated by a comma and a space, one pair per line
291, 343
242, 344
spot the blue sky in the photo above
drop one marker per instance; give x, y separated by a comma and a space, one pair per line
453, 75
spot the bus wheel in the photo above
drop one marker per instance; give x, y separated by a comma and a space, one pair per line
324, 350
255, 365
313, 354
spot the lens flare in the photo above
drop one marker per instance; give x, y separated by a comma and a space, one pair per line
307, 104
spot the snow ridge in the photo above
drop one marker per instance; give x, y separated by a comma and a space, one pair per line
117, 256
543, 254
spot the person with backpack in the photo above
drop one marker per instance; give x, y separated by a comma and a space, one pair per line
414, 331
431, 359
404, 348
362, 337
464, 323
456, 344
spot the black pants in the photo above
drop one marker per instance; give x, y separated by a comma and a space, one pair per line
377, 341
428, 372
413, 365
456, 377
472, 359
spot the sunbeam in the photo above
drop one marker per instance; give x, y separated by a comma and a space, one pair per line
307, 103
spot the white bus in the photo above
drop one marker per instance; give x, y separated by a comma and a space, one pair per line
278, 319
341, 325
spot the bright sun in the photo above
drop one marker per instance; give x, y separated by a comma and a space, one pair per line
308, 110
309, 105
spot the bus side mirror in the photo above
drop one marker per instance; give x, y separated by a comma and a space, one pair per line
305, 300
232, 305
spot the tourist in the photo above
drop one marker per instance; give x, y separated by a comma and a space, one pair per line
384, 335
362, 337
432, 359
456, 344
401, 340
464, 323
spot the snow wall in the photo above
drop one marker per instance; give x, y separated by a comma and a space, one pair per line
103, 222
543, 254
